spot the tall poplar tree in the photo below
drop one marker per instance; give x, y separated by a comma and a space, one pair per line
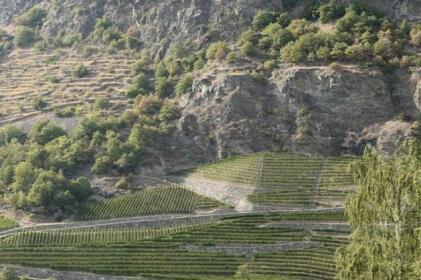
384, 216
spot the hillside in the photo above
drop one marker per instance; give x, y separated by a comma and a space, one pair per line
210, 140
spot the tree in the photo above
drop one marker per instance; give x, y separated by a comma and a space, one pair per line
184, 85
9, 133
330, 11
24, 37
262, 19
164, 87
34, 17
248, 49
24, 177
217, 50
7, 273
44, 132
384, 215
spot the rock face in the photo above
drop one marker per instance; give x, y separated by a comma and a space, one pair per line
303, 109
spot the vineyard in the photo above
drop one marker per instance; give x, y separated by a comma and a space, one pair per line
29, 75
153, 201
286, 179
193, 251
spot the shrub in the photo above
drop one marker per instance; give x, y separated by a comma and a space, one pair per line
149, 105
248, 49
71, 39
24, 37
34, 17
331, 11
217, 50
284, 19
9, 133
102, 103
65, 113
141, 82
88, 51
7, 273
164, 87
45, 132
247, 36
299, 27
184, 85
262, 19
39, 103
110, 34
169, 112
80, 71
133, 43
41, 45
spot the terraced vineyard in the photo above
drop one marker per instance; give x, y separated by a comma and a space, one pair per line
28, 74
197, 251
160, 200
286, 179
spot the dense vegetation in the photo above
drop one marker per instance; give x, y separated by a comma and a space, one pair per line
385, 217
355, 33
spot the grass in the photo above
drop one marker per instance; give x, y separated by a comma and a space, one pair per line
7, 223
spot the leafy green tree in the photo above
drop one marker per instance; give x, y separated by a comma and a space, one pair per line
80, 189
45, 188
384, 216
24, 177
9, 133
248, 49
284, 19
184, 85
44, 132
33, 18
164, 87
262, 19
8, 273
24, 37
331, 11
218, 51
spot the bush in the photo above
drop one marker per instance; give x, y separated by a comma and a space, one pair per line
284, 19
164, 87
218, 51
80, 71
39, 104
149, 105
71, 39
7, 273
133, 43
34, 17
169, 112
45, 132
102, 103
331, 11
184, 85
248, 49
9, 133
262, 19
299, 27
24, 37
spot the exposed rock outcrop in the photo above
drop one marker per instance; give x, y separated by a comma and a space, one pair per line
320, 110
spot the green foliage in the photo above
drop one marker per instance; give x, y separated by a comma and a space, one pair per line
248, 49
164, 87
331, 11
384, 215
6, 223
416, 35
184, 85
6, 43
80, 71
7, 273
33, 18
262, 19
71, 39
24, 37
44, 132
284, 19
102, 103
39, 103
8, 133
217, 51
133, 43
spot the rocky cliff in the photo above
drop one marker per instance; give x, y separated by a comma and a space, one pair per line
325, 110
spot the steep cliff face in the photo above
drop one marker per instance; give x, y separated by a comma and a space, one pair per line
304, 109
